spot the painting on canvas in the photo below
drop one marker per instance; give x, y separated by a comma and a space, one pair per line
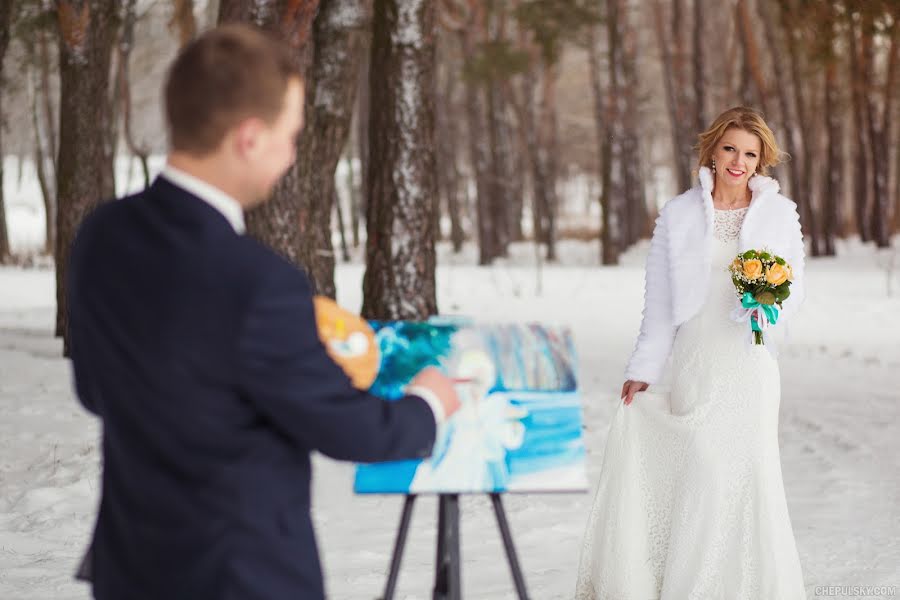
519, 427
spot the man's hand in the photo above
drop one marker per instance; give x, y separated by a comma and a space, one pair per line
630, 388
440, 385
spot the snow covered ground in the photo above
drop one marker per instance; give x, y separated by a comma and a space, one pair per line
839, 431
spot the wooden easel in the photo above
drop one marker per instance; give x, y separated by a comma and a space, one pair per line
447, 583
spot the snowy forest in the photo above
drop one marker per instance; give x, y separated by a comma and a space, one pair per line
503, 160
520, 120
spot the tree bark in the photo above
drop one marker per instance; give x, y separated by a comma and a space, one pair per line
879, 124
499, 174
787, 122
40, 162
339, 34
48, 114
86, 37
362, 127
746, 27
183, 21
674, 77
296, 222
448, 135
339, 213
548, 151
862, 160
478, 152
126, 44
833, 175
699, 60
601, 123
636, 217
278, 222
803, 143
613, 186
5, 22
399, 282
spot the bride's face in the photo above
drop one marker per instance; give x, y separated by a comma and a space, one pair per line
736, 157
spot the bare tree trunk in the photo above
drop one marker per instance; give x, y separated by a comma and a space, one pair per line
43, 51
126, 43
499, 173
86, 37
548, 152
339, 212
613, 184
636, 218
518, 170
447, 137
340, 31
399, 282
879, 124
354, 200
787, 122
5, 22
674, 78
278, 222
183, 21
803, 143
746, 28
478, 153
862, 161
833, 174
362, 128
296, 222
601, 122
40, 160
699, 55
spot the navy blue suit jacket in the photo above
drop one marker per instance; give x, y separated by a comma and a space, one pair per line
198, 349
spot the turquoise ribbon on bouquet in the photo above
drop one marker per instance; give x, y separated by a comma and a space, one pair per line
770, 310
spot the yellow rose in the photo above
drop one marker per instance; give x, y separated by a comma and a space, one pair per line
753, 269
776, 274
737, 265
790, 272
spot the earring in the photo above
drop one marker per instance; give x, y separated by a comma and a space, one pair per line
714, 166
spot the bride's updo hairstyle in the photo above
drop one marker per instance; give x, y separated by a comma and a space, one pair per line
749, 120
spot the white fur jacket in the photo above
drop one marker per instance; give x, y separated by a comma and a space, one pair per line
678, 263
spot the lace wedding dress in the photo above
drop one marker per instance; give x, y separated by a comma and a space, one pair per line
690, 504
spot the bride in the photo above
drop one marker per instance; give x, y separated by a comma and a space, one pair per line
690, 503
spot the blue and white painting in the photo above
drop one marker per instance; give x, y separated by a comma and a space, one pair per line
519, 426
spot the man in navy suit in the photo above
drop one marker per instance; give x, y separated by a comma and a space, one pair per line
198, 349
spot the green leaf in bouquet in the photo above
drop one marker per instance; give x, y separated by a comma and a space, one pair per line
749, 254
765, 256
780, 260
766, 297
781, 293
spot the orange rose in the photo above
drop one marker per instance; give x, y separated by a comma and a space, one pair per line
753, 269
776, 274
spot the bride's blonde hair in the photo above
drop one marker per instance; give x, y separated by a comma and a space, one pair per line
749, 120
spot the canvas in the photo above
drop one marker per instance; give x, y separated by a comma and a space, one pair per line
519, 427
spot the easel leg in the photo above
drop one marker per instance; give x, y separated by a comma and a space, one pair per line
447, 581
518, 579
399, 545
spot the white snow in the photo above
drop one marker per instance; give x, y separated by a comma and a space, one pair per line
839, 431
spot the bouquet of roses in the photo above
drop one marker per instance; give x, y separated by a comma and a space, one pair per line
762, 281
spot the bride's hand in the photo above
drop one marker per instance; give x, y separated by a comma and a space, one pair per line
630, 388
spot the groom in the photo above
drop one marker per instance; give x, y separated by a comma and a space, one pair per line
198, 349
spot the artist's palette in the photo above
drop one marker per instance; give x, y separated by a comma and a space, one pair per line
349, 340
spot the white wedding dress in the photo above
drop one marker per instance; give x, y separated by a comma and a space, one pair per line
690, 504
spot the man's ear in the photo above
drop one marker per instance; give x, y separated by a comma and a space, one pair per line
247, 137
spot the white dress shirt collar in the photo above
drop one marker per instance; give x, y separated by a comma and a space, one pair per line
219, 200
